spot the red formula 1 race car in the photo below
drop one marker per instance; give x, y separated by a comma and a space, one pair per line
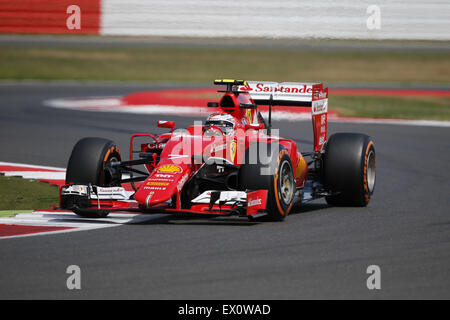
233, 164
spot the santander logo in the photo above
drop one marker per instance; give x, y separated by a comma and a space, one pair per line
270, 87
246, 87
254, 202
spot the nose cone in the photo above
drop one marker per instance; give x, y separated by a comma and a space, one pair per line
164, 181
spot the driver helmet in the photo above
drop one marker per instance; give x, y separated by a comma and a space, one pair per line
223, 121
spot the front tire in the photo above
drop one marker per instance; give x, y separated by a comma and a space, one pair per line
89, 163
349, 167
277, 177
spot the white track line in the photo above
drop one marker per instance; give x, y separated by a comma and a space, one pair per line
43, 175
14, 164
71, 220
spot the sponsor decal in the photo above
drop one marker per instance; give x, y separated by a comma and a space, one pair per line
260, 87
171, 168
159, 179
181, 182
288, 88
218, 148
157, 183
163, 175
254, 202
77, 188
155, 188
249, 116
150, 195
246, 87
321, 140
232, 150
153, 146
323, 95
320, 106
118, 189
221, 117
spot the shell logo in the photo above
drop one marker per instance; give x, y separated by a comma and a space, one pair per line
169, 168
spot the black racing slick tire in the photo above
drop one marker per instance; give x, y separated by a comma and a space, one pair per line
89, 164
276, 176
349, 168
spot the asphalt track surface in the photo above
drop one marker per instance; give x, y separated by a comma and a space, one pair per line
317, 252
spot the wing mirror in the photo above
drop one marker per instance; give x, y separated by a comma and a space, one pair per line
254, 126
166, 124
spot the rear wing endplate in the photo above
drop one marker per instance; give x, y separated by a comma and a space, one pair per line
294, 94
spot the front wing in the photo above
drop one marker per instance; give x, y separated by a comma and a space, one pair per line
86, 198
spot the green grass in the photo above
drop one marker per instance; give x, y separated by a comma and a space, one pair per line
21, 194
423, 108
203, 65
196, 65
12, 213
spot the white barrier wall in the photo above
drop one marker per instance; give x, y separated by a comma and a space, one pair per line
357, 19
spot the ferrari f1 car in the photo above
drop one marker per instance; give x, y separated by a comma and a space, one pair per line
232, 164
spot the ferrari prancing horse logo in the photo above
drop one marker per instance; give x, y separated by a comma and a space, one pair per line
249, 115
232, 150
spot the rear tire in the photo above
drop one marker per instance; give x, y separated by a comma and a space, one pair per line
277, 178
349, 167
89, 164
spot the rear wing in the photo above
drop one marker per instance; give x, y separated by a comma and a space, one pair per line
294, 94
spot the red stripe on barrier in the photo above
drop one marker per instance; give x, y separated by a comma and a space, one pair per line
48, 16
8, 230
